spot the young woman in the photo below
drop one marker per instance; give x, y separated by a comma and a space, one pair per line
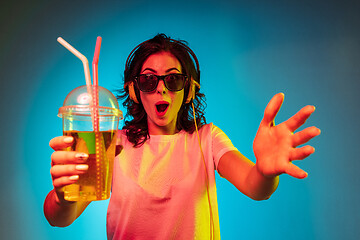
164, 177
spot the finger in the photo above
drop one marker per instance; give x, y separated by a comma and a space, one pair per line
295, 171
68, 170
299, 118
272, 109
66, 180
59, 143
305, 135
301, 153
68, 157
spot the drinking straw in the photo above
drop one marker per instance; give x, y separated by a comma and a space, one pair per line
99, 141
86, 71
95, 81
96, 60
83, 60
94, 102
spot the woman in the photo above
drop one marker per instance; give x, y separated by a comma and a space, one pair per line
164, 177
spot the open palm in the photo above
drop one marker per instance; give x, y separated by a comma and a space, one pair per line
276, 146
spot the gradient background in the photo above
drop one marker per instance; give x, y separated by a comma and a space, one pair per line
248, 51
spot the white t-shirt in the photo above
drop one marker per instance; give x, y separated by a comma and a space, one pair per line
159, 189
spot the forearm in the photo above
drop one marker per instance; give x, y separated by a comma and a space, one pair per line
62, 213
245, 176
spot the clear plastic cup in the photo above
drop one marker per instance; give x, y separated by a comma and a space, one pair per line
79, 117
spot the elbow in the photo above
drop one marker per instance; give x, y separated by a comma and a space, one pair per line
55, 215
259, 197
58, 222
60, 225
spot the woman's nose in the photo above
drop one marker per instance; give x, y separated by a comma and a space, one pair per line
161, 87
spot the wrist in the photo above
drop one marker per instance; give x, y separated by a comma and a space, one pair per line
265, 174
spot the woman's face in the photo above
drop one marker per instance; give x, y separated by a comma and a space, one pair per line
161, 105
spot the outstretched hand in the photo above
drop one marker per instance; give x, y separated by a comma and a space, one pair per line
275, 147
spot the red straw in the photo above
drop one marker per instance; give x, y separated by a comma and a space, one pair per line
95, 82
98, 139
96, 60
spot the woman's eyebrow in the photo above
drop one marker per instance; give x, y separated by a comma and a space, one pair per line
170, 69
149, 69
154, 71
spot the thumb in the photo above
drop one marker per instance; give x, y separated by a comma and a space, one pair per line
273, 108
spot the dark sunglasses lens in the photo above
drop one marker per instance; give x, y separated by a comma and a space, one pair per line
175, 82
147, 83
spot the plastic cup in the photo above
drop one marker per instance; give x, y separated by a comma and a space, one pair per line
77, 114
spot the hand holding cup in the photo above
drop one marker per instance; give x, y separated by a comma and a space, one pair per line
66, 166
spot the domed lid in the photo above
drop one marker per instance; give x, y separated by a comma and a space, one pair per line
78, 103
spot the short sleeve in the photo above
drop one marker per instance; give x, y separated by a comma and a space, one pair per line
221, 144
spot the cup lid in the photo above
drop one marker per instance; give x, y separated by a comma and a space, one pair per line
78, 103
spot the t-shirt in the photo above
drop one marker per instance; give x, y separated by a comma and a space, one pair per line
159, 190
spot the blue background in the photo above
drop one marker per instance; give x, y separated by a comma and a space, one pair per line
248, 51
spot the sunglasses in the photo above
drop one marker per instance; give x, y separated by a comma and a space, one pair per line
173, 82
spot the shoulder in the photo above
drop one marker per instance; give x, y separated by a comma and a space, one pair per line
214, 132
206, 127
209, 128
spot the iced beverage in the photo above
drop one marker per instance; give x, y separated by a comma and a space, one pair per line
96, 138
95, 184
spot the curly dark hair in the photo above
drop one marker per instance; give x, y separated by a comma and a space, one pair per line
136, 128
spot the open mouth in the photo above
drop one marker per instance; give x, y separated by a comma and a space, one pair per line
161, 107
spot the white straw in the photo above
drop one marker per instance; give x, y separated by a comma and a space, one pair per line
86, 71
84, 61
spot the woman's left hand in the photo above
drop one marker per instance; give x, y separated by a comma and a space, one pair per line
275, 147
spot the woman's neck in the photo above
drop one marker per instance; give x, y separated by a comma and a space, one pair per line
162, 130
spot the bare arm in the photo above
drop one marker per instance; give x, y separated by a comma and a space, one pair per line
244, 175
275, 148
65, 169
62, 213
